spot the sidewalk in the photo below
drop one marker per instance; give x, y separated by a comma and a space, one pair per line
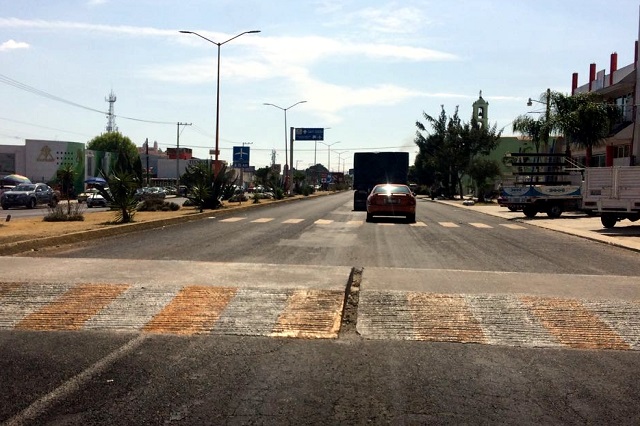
625, 234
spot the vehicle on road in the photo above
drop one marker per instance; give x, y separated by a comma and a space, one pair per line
545, 182
97, 200
82, 197
391, 200
29, 195
151, 192
613, 193
373, 168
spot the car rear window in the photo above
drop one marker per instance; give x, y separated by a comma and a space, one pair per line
392, 189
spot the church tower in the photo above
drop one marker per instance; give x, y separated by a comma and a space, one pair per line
480, 111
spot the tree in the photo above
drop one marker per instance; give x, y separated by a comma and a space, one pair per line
121, 195
483, 171
446, 154
530, 128
210, 188
127, 152
65, 176
585, 119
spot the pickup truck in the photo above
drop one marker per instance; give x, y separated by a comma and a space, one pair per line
613, 193
29, 195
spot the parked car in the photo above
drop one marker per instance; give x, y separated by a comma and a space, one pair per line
29, 195
97, 200
391, 200
82, 197
150, 193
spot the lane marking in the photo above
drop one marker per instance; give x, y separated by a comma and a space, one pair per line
63, 392
323, 222
263, 220
449, 224
311, 314
293, 221
194, 310
233, 219
355, 222
573, 324
480, 225
73, 308
512, 226
418, 224
444, 318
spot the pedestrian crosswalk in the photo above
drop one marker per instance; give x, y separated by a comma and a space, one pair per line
381, 223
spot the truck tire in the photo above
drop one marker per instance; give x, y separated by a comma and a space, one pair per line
554, 211
31, 203
608, 220
530, 211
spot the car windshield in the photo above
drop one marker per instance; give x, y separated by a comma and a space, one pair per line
392, 189
24, 188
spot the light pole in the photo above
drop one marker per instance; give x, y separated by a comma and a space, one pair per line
315, 148
286, 164
216, 165
547, 104
329, 153
340, 157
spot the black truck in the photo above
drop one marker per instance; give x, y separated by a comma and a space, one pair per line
372, 168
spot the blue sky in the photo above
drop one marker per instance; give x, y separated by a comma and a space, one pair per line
366, 69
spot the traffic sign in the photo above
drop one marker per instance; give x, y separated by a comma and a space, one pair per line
241, 156
309, 134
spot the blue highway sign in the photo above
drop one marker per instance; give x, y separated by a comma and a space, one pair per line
310, 134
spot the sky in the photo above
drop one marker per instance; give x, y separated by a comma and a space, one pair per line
367, 70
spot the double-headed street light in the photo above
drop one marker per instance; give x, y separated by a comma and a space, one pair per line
340, 158
329, 153
547, 117
286, 164
216, 165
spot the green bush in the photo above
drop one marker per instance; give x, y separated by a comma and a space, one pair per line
155, 205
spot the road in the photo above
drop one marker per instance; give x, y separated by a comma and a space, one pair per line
536, 309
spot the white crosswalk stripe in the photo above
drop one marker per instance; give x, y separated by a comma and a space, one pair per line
355, 223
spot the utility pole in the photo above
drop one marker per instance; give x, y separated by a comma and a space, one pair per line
178, 156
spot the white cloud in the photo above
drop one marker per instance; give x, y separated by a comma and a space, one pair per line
391, 19
92, 3
12, 44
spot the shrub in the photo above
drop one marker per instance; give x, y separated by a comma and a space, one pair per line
61, 213
156, 205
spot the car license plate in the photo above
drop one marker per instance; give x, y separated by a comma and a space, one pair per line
392, 201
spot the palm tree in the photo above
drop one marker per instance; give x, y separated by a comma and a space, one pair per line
585, 119
66, 176
533, 129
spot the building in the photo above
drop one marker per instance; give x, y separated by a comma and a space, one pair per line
620, 87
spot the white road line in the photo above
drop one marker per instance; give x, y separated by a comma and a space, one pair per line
513, 226
355, 222
449, 224
233, 219
262, 220
323, 222
293, 221
418, 224
480, 225
74, 384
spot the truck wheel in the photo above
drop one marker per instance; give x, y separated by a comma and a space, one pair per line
530, 211
608, 221
554, 211
31, 204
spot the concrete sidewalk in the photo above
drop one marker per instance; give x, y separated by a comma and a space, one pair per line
625, 234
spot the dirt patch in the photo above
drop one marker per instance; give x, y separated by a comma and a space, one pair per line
28, 228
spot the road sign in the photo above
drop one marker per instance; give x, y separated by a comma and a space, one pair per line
309, 134
241, 156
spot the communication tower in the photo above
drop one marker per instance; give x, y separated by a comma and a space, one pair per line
111, 118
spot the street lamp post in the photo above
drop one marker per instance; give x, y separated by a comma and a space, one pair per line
286, 164
329, 153
340, 158
547, 104
315, 148
216, 165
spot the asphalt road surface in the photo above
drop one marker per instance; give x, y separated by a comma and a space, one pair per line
303, 313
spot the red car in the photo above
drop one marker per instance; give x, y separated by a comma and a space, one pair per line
391, 200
